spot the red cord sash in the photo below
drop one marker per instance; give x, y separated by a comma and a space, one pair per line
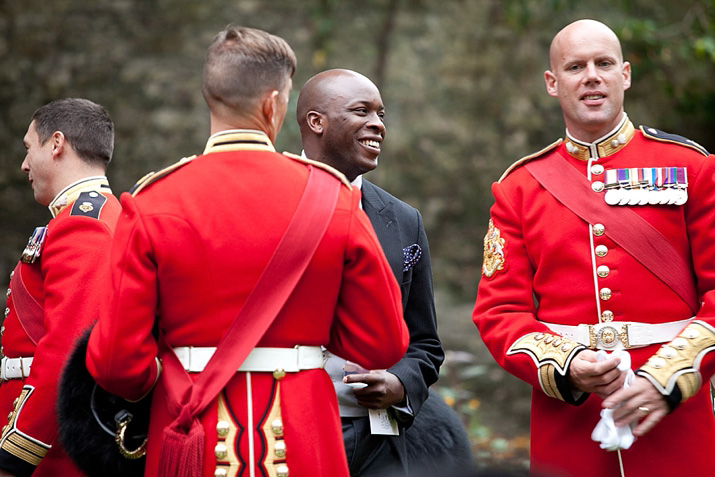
29, 311
624, 226
280, 277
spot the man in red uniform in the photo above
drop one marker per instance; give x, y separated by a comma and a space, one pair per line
604, 241
190, 246
55, 288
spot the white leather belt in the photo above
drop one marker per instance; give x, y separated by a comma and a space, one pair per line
290, 360
15, 368
620, 334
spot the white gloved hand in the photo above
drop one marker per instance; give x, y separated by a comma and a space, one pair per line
612, 437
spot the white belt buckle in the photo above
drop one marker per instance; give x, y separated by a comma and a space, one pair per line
607, 336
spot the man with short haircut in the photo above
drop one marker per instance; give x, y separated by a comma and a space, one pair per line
341, 118
55, 289
191, 245
603, 243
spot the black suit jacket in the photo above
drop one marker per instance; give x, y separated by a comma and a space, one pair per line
397, 226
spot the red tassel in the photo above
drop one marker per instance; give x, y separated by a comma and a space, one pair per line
182, 453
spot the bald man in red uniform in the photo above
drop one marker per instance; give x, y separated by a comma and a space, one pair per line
567, 272
55, 289
192, 243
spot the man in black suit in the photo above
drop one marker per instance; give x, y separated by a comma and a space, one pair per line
341, 118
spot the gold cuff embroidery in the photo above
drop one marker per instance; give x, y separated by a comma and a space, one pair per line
679, 361
551, 354
16, 442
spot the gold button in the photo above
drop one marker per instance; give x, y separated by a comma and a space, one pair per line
680, 343
605, 293
220, 472
280, 449
598, 229
597, 186
556, 342
282, 471
9, 416
15, 402
607, 316
597, 169
279, 374
656, 362
691, 333
7, 293
222, 428
7, 312
603, 271
549, 339
565, 347
277, 427
12, 274
601, 250
539, 336
221, 450
668, 352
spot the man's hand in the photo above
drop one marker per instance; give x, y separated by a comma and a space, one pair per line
600, 378
641, 400
382, 391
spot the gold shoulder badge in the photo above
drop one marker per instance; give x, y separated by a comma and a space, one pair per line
152, 177
494, 251
320, 165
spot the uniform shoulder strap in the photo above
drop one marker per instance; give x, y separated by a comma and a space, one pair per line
658, 135
319, 165
526, 159
154, 176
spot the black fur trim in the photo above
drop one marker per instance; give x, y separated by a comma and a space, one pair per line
437, 442
90, 446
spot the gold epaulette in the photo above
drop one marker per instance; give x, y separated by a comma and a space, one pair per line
321, 165
154, 176
525, 159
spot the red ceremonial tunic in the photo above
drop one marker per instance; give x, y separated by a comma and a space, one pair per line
190, 247
545, 264
65, 281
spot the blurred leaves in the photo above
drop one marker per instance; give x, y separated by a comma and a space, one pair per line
462, 81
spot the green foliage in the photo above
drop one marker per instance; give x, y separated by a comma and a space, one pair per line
462, 82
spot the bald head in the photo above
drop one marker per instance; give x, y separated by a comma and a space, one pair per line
323, 89
340, 113
582, 32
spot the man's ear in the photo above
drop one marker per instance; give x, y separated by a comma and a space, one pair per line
269, 106
58, 143
316, 122
551, 83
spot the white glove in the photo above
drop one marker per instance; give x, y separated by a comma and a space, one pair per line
612, 437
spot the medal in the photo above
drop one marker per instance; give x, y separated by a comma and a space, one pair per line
34, 245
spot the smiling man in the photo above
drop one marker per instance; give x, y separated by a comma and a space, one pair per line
341, 117
604, 241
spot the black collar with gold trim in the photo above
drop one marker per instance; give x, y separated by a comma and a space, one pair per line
70, 193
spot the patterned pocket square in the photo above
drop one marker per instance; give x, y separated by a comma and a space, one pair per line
410, 256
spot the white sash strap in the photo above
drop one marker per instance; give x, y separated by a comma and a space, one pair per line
290, 360
620, 334
15, 368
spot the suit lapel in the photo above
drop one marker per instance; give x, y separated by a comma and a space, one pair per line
384, 221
